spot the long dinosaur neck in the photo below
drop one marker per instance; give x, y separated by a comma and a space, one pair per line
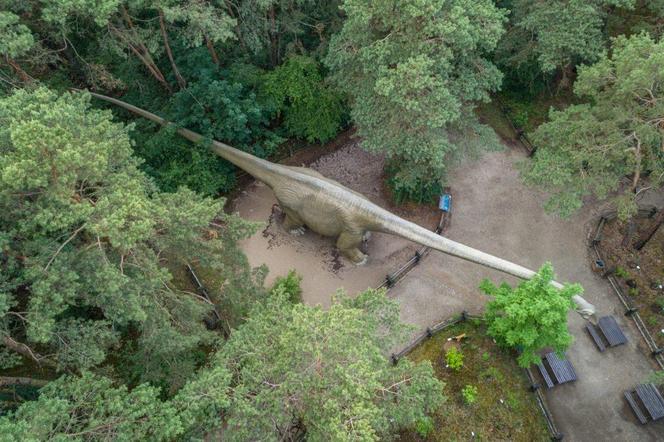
258, 168
395, 225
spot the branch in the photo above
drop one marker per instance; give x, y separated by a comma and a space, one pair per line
10, 380
57, 252
26, 351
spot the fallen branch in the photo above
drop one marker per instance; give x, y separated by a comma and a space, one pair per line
11, 380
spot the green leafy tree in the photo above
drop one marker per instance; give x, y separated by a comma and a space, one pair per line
324, 373
92, 408
84, 236
227, 110
270, 29
588, 148
531, 316
310, 108
556, 35
413, 70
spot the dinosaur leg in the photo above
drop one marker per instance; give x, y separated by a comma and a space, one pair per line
292, 222
348, 244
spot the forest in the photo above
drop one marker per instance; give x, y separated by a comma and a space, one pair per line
102, 211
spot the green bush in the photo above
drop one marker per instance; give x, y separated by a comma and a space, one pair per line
633, 291
289, 284
454, 359
621, 272
226, 110
469, 393
405, 187
520, 119
486, 356
310, 108
660, 303
424, 426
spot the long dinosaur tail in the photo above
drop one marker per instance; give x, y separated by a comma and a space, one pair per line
257, 167
408, 230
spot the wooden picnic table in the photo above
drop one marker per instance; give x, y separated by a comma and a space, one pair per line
562, 368
652, 400
611, 331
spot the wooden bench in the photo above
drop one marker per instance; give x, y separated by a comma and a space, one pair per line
545, 375
651, 399
635, 408
596, 337
562, 368
611, 331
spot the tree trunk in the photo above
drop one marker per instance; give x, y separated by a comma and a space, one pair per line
274, 55
25, 78
629, 233
647, 236
212, 51
10, 380
631, 224
26, 351
140, 50
162, 26
566, 79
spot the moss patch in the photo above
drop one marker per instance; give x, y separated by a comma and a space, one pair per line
504, 408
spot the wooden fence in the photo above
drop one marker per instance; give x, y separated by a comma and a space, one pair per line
630, 309
392, 278
520, 133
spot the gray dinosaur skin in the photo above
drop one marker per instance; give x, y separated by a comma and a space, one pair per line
330, 209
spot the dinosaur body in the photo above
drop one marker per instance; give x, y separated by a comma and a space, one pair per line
326, 207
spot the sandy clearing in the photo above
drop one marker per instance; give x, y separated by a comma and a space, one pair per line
496, 213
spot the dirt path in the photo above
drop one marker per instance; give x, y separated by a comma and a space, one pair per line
495, 212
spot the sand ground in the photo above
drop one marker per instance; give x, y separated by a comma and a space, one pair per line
494, 212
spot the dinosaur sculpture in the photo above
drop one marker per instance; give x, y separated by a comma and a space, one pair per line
326, 207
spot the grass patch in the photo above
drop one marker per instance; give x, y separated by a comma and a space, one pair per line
492, 375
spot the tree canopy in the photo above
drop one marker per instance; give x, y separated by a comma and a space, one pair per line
587, 149
324, 373
84, 236
414, 70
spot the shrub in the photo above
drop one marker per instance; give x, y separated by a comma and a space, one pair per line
424, 426
633, 291
486, 356
520, 118
420, 189
310, 108
621, 272
469, 393
454, 359
289, 284
660, 303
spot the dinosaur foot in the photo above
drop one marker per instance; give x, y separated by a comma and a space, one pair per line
362, 261
298, 231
